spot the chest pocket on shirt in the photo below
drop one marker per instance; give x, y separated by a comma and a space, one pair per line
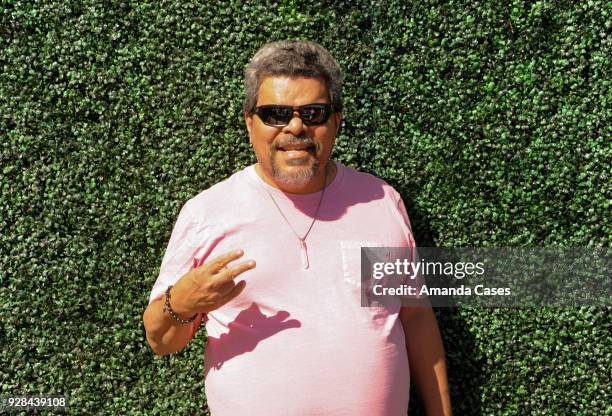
351, 274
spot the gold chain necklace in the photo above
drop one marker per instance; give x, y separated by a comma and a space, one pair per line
302, 240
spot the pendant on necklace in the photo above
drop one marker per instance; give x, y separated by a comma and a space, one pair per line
304, 254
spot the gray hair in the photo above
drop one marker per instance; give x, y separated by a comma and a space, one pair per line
292, 58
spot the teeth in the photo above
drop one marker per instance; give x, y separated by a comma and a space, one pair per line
296, 146
296, 153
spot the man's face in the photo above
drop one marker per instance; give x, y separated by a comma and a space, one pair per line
293, 157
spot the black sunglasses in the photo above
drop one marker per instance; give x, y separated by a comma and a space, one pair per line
281, 115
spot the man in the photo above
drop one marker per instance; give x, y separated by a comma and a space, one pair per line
287, 334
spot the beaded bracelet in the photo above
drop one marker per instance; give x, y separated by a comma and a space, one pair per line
173, 314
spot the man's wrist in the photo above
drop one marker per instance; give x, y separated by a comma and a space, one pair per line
174, 310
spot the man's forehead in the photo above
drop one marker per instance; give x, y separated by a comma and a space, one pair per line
291, 90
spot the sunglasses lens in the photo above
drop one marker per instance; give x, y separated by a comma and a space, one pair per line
312, 114
276, 115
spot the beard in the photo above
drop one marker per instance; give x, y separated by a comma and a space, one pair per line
300, 176
297, 177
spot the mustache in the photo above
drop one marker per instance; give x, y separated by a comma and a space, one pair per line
291, 140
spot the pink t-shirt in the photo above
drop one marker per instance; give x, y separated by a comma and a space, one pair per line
296, 341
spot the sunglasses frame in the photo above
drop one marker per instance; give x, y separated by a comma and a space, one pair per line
327, 108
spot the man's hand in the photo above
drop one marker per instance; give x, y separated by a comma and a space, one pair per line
209, 286
201, 290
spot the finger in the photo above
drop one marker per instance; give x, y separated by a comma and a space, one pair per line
238, 288
231, 273
224, 287
221, 261
223, 281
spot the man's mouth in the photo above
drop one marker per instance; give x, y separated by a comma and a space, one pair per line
298, 149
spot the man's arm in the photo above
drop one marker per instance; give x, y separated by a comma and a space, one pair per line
165, 335
426, 357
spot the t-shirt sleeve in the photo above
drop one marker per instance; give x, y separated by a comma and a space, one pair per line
400, 210
413, 255
180, 253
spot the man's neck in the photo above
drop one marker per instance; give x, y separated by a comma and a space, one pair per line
313, 186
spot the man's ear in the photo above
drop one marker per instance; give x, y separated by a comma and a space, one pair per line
338, 118
248, 120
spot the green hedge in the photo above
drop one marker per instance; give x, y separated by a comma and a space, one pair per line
491, 119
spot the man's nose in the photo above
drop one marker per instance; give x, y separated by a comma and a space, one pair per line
295, 126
